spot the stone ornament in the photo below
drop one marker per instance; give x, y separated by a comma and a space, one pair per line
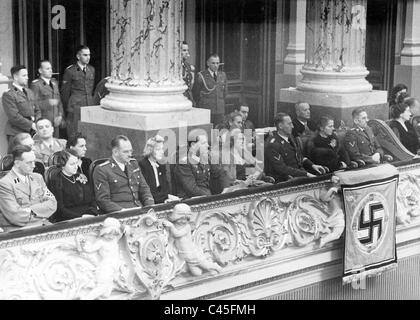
408, 199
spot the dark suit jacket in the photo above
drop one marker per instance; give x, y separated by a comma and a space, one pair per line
299, 128
209, 94
21, 111
159, 194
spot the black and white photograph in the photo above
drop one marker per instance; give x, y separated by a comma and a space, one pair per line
185, 150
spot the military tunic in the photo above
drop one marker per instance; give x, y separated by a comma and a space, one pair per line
284, 159
361, 144
114, 190
188, 77
48, 99
211, 94
77, 92
21, 110
25, 204
43, 152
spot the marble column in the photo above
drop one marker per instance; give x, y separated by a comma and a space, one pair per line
335, 47
6, 62
295, 58
408, 72
146, 85
334, 73
146, 58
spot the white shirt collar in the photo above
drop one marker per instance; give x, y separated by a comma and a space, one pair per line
47, 81
304, 123
21, 177
153, 163
81, 67
211, 72
155, 171
18, 86
121, 165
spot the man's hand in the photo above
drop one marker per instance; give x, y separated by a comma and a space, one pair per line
318, 169
57, 121
376, 158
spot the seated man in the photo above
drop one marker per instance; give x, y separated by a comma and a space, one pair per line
77, 142
283, 153
25, 200
195, 175
47, 145
244, 111
118, 182
360, 142
302, 124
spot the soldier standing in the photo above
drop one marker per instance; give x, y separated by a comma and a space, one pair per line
77, 89
119, 183
187, 71
20, 105
210, 89
47, 95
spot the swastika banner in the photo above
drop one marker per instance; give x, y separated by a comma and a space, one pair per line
370, 209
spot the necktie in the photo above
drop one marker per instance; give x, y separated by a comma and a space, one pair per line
51, 85
84, 70
24, 91
126, 170
215, 76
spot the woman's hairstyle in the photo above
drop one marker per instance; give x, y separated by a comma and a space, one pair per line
232, 116
64, 156
323, 121
395, 92
151, 144
398, 109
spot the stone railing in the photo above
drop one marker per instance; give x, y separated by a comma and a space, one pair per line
233, 241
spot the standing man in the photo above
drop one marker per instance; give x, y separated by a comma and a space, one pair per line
47, 95
119, 183
20, 105
187, 71
210, 89
77, 89
25, 200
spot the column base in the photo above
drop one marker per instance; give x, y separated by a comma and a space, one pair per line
339, 106
410, 76
100, 126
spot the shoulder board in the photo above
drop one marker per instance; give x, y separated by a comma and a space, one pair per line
273, 140
105, 163
35, 81
70, 66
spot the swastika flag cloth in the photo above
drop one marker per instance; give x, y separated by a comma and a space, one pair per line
369, 206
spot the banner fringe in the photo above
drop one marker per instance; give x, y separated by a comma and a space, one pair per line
369, 273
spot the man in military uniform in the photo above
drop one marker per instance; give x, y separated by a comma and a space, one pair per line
77, 89
25, 200
187, 71
47, 145
119, 183
47, 95
210, 89
283, 153
20, 105
194, 174
361, 143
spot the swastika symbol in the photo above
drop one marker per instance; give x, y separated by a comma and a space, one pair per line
370, 223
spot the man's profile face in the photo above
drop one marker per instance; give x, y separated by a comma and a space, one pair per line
46, 70
45, 129
84, 56
26, 164
124, 152
80, 147
303, 111
213, 64
286, 126
185, 51
21, 77
244, 111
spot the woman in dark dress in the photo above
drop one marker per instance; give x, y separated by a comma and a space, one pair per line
153, 171
402, 127
325, 149
72, 190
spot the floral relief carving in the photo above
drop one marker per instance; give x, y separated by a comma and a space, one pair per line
408, 199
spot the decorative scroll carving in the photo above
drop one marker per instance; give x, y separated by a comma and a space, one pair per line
408, 198
147, 245
311, 219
